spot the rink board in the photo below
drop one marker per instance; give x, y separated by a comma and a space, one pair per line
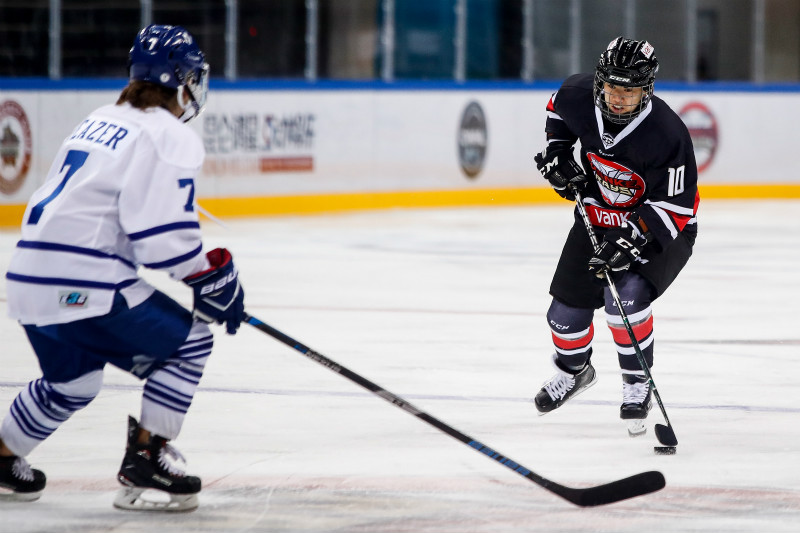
320, 149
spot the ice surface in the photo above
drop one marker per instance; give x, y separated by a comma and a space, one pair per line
445, 308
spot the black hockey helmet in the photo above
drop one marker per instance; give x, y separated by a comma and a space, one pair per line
626, 63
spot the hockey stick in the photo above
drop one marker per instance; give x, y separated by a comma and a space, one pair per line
630, 487
664, 434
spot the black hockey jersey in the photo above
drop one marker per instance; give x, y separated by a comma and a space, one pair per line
648, 167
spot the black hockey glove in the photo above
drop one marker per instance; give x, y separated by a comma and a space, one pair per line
218, 296
559, 168
620, 247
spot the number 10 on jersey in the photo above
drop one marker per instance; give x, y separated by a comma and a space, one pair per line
676, 180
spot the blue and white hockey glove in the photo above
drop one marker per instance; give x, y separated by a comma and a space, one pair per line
560, 169
620, 247
218, 295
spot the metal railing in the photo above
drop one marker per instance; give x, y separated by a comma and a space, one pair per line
539, 58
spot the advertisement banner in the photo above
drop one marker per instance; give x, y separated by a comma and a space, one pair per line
315, 142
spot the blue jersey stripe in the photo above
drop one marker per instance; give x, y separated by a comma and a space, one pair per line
163, 229
56, 247
37, 280
176, 260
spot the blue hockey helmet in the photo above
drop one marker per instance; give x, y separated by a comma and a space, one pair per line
168, 56
626, 63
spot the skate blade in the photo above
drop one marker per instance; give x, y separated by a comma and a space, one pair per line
141, 499
10, 496
636, 427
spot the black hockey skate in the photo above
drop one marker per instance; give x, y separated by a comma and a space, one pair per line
636, 402
154, 465
25, 483
564, 385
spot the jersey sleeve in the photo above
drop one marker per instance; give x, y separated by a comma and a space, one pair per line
673, 198
157, 209
556, 129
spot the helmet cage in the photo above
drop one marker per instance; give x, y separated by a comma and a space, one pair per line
625, 63
196, 87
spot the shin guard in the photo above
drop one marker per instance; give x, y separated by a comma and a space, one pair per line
634, 293
170, 389
572, 332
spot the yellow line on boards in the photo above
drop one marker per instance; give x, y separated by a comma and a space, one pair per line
11, 215
336, 202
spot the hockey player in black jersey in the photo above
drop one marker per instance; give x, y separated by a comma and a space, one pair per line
638, 178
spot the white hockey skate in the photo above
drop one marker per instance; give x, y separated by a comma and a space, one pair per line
636, 403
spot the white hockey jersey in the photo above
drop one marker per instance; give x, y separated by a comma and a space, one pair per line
119, 195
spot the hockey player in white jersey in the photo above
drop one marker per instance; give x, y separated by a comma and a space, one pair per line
120, 195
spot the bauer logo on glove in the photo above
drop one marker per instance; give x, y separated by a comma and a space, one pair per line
214, 287
218, 296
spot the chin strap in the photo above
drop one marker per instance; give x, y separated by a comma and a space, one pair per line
190, 109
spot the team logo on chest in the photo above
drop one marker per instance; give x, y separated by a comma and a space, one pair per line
620, 186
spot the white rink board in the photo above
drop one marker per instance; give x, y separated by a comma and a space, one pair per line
386, 140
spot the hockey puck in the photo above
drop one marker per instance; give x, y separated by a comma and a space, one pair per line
665, 450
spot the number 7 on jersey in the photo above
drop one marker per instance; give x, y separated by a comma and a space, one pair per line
75, 160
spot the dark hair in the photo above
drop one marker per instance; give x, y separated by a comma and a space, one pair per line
143, 94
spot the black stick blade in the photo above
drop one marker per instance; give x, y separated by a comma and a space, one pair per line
623, 489
666, 435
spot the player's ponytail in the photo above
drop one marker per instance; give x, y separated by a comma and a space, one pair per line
143, 94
